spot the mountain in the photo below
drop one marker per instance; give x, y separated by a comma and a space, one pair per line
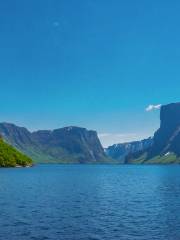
122, 150
166, 140
64, 145
10, 157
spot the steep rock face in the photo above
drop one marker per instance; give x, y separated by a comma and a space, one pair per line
64, 145
122, 150
166, 139
82, 145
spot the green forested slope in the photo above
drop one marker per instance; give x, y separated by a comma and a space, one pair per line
10, 157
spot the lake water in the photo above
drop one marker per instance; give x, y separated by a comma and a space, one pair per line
90, 202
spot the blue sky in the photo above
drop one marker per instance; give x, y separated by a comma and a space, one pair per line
94, 63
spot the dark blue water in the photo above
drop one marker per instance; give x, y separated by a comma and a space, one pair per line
90, 202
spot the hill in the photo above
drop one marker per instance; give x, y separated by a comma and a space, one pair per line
10, 157
64, 145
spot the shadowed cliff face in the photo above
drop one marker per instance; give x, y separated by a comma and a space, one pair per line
73, 140
69, 144
167, 137
166, 141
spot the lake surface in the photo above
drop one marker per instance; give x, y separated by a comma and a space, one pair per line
90, 202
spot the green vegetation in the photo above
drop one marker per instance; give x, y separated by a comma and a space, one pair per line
10, 157
138, 160
171, 158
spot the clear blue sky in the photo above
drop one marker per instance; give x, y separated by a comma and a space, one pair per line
94, 63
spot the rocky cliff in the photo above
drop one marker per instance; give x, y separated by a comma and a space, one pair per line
167, 136
166, 141
122, 150
64, 145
